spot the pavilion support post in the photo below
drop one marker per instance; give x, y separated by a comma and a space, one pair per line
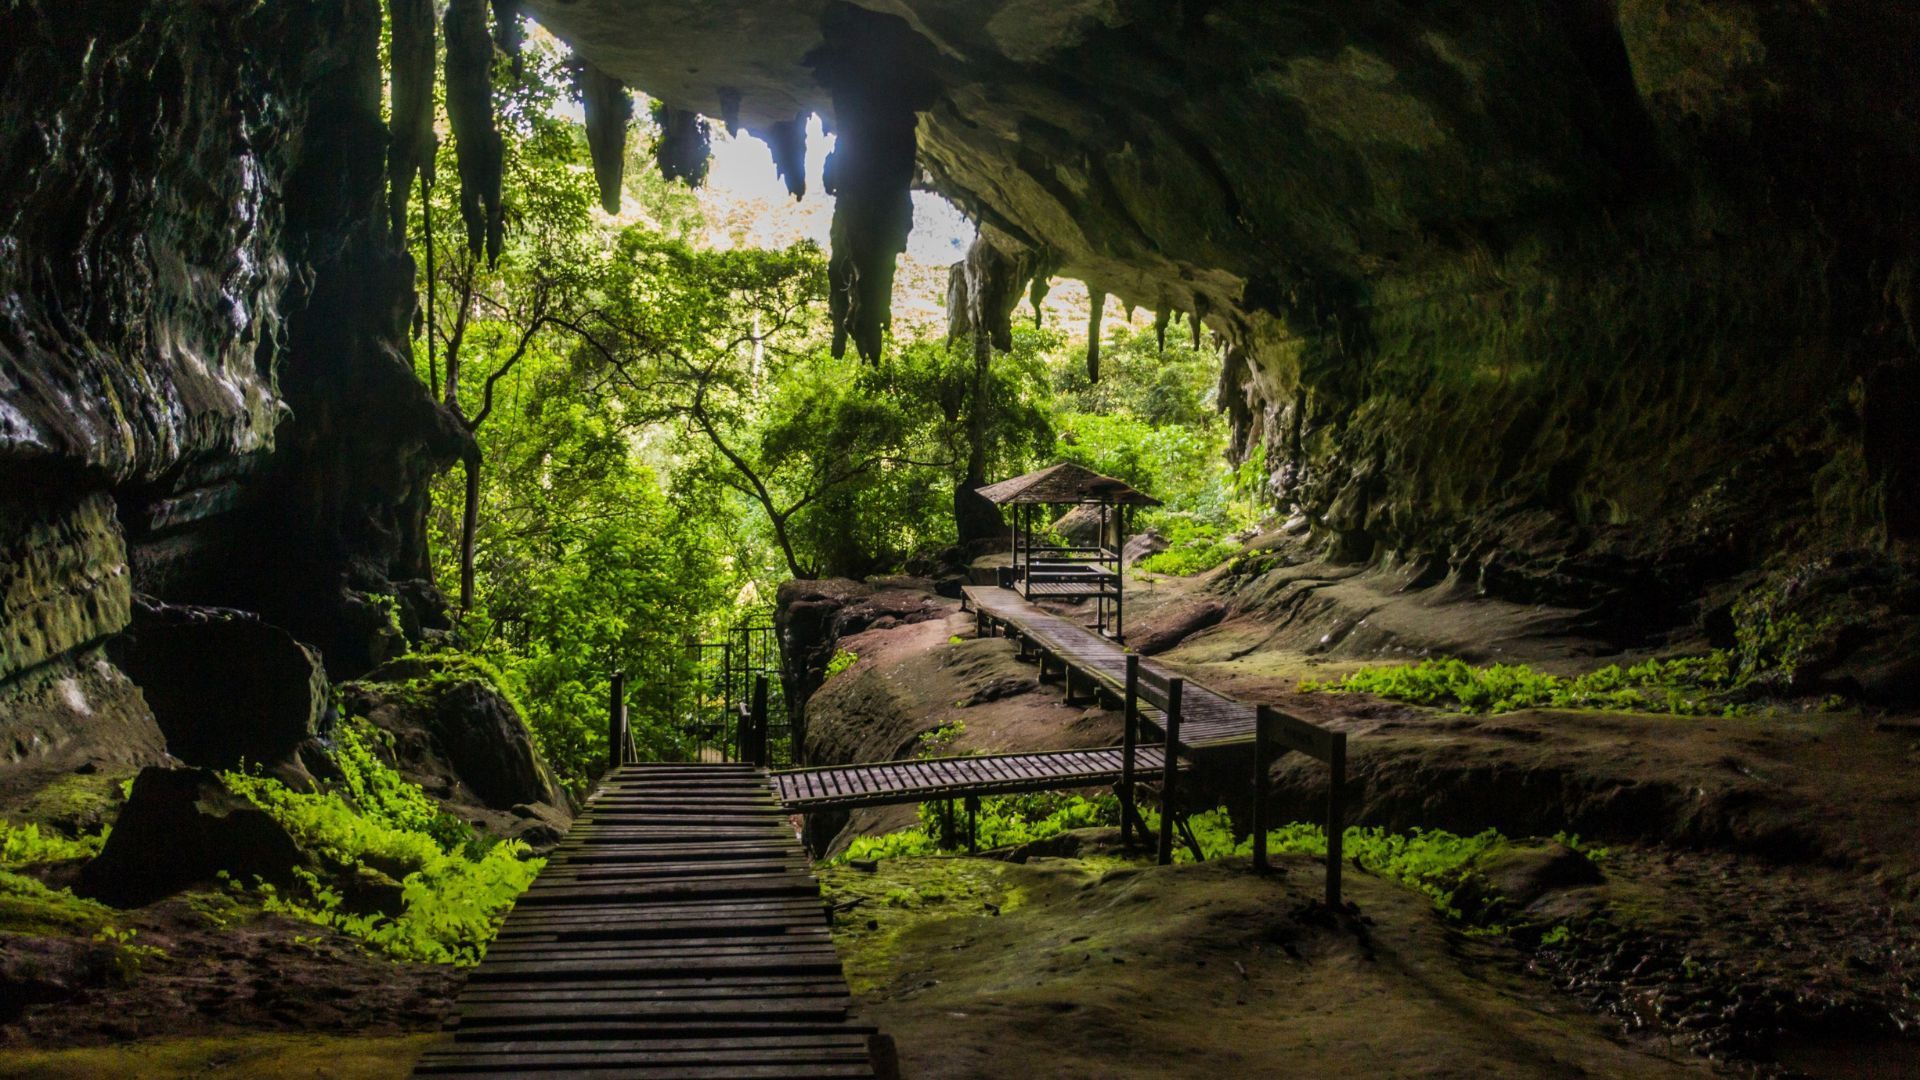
617, 721
1262, 746
1129, 748
759, 722
1169, 798
1336, 815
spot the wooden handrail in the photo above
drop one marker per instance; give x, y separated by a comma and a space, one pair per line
1272, 728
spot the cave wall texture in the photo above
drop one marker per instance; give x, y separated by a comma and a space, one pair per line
1600, 303
1595, 302
205, 392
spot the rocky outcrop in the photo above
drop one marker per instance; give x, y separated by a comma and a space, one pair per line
227, 689
1571, 300
462, 740
812, 616
184, 826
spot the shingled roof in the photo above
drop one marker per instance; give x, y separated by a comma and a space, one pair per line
1065, 483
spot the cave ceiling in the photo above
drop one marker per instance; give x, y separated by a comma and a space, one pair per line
1222, 158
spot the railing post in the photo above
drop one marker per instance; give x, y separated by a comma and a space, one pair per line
759, 721
617, 721
1262, 743
1336, 815
1168, 798
1130, 714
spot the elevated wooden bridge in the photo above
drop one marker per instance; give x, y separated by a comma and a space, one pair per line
679, 932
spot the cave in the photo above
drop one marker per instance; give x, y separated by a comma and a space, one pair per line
1534, 385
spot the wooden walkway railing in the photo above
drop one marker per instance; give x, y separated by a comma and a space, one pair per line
677, 932
1186, 715
890, 783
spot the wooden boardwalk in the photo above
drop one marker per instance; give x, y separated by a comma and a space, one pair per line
1207, 718
677, 932
892, 782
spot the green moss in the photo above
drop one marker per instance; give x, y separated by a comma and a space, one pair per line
74, 802
22, 846
842, 660
873, 908
279, 1057
1698, 686
29, 906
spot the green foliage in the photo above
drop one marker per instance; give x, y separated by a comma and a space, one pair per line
1695, 686
1772, 642
30, 906
1003, 821
452, 901
1195, 546
22, 846
384, 796
842, 660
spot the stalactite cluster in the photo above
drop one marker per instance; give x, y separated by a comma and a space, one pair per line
685, 146
470, 113
875, 67
411, 75
609, 108
787, 141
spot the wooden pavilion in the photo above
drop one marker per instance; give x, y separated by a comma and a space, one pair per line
1066, 571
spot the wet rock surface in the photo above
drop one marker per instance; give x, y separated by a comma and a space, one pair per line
182, 827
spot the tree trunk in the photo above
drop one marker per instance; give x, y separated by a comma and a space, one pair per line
974, 517
469, 525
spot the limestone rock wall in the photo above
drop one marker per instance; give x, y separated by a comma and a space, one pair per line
205, 395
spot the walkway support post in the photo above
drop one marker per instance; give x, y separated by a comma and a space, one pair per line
973, 824
1263, 719
1169, 799
758, 722
1336, 815
616, 720
1128, 748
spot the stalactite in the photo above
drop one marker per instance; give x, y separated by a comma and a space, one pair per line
470, 113
1037, 293
1093, 335
1129, 312
730, 109
508, 33
787, 141
685, 147
985, 287
1160, 320
411, 151
609, 107
876, 68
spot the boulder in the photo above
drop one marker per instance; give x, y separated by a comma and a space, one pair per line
1170, 626
180, 827
225, 686
1142, 544
454, 733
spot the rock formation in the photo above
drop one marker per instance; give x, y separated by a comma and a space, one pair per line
205, 392
1591, 301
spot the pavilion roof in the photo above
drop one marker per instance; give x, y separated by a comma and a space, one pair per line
1063, 484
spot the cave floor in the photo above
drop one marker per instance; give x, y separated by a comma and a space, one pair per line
1079, 967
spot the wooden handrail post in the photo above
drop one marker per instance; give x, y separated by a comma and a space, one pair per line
617, 721
760, 755
1168, 770
1263, 719
1129, 740
1336, 815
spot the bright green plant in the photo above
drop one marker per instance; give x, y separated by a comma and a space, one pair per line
25, 845
841, 661
452, 902
1696, 686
